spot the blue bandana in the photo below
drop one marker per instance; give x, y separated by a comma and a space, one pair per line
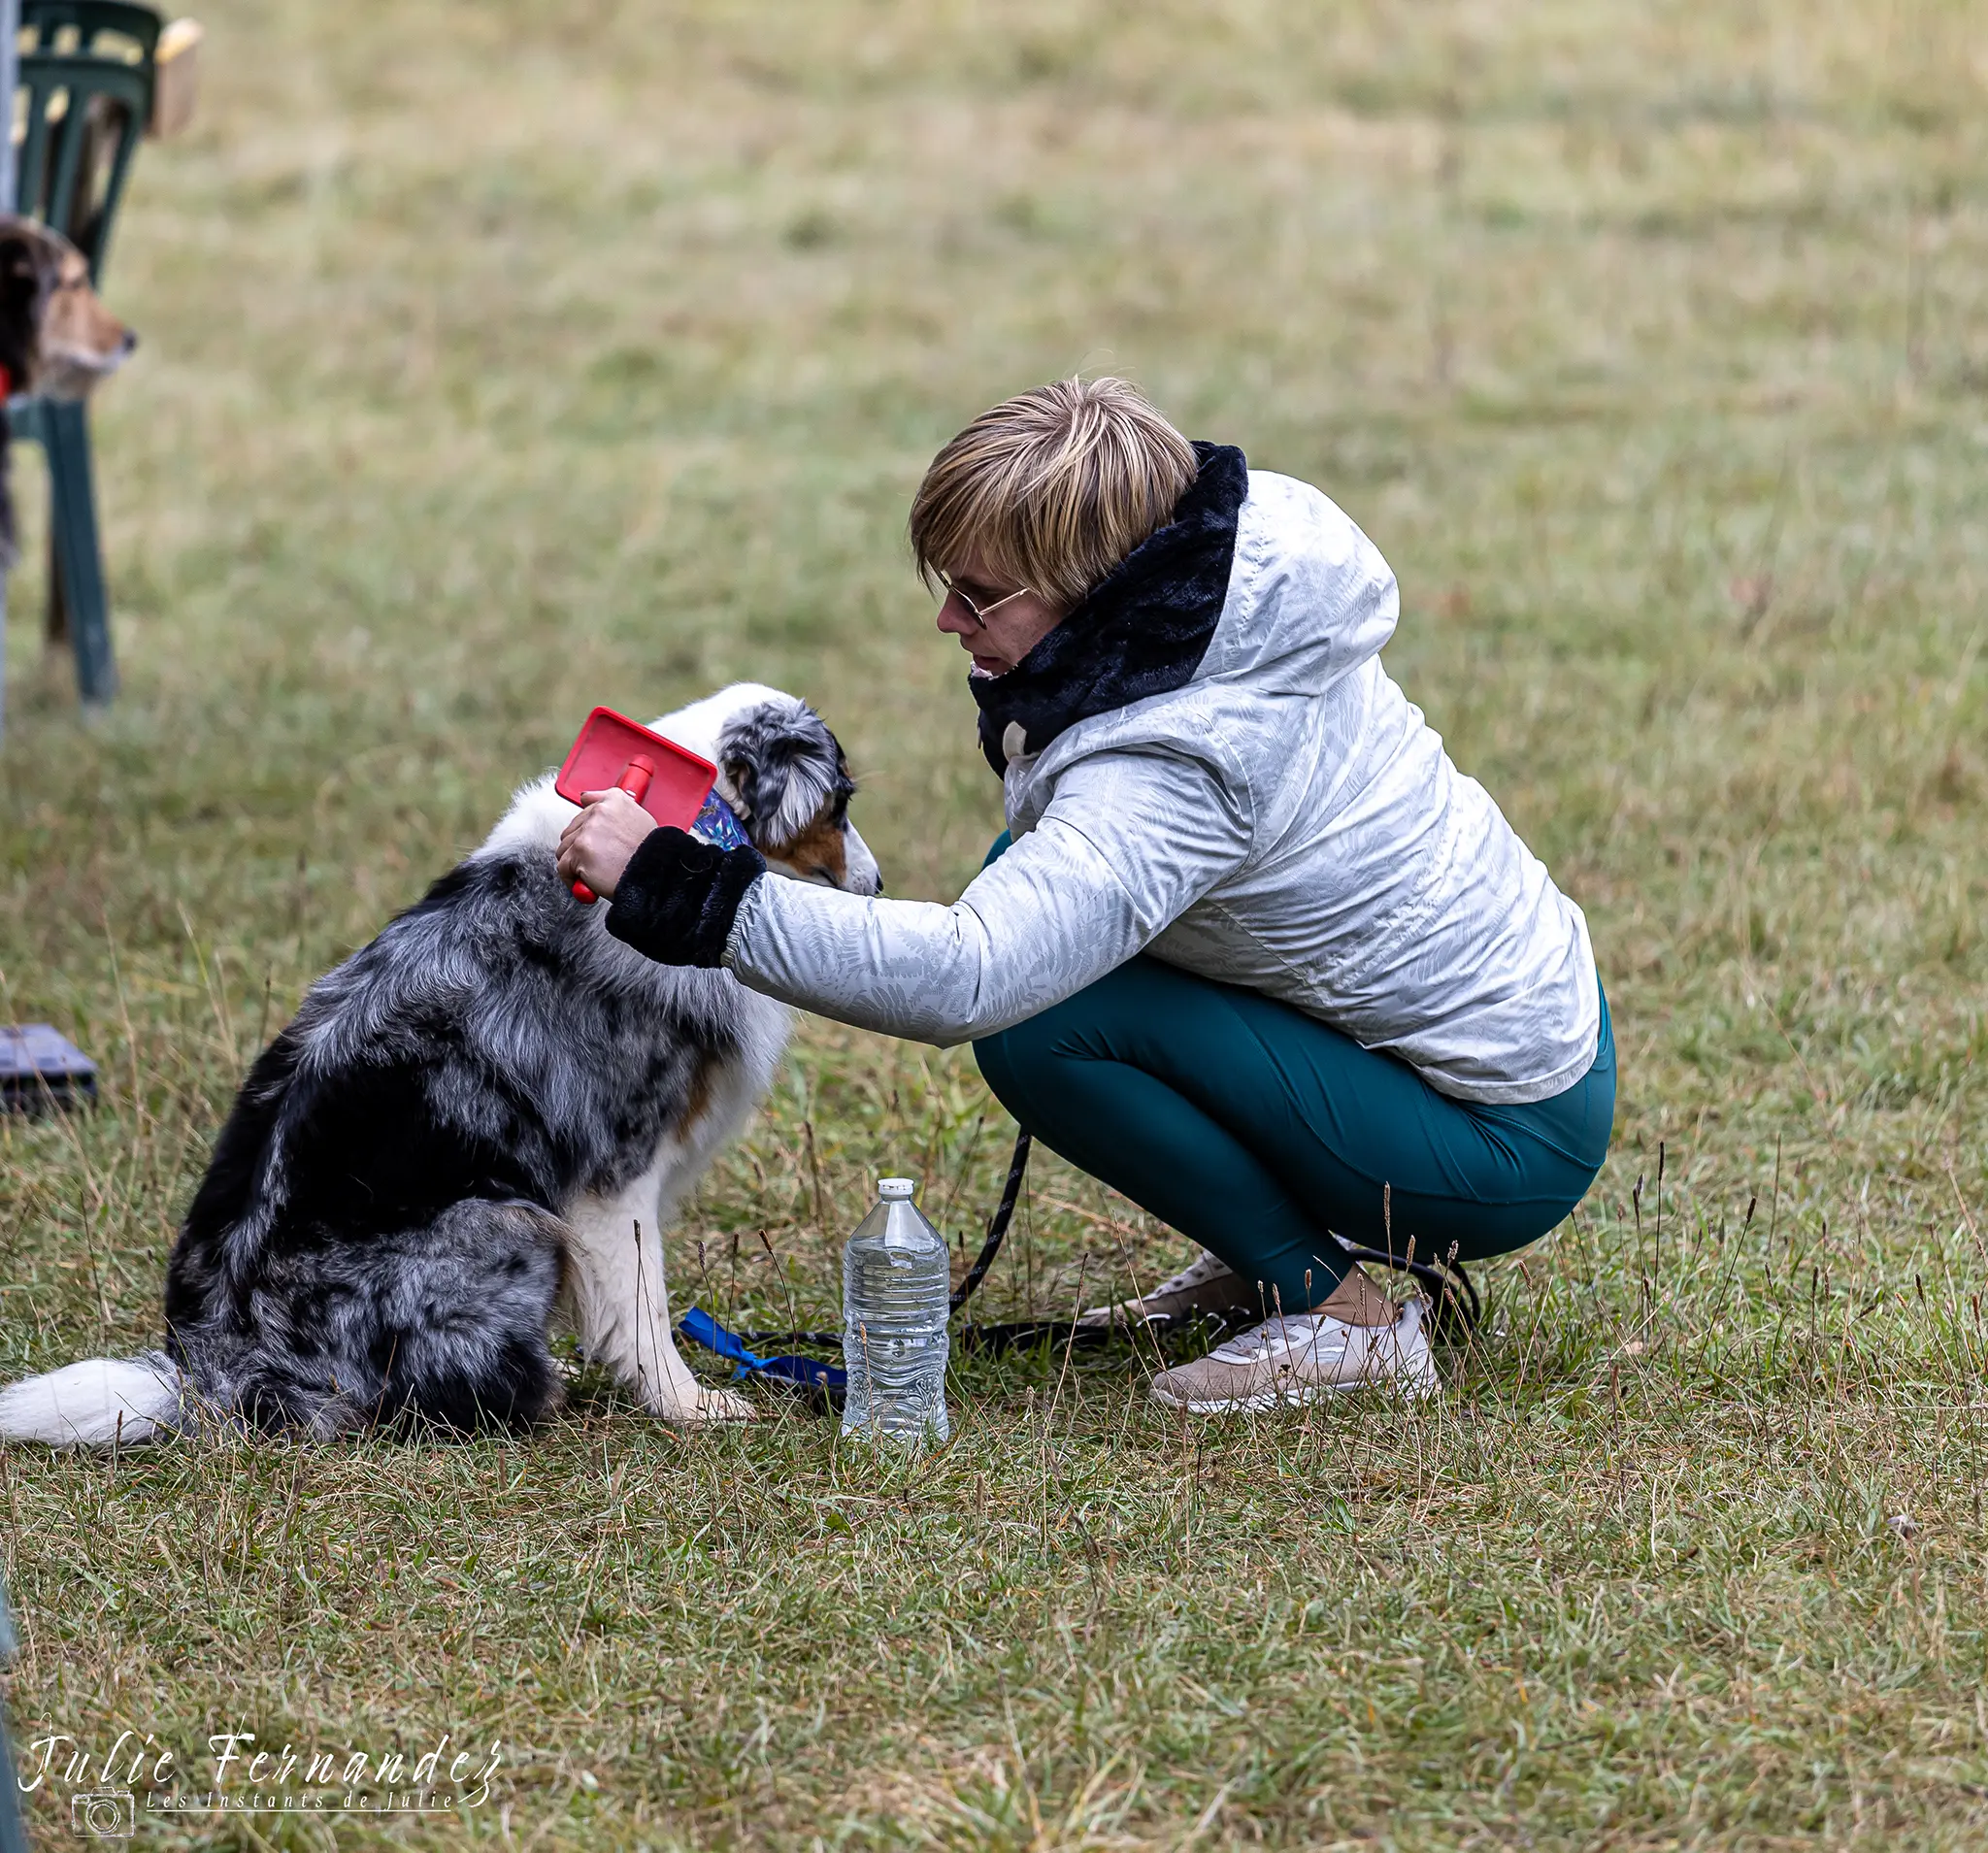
718, 825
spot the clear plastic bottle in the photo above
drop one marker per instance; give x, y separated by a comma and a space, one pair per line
897, 1281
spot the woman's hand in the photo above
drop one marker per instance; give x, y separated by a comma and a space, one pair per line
596, 845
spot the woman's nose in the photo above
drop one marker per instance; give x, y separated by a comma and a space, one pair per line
955, 618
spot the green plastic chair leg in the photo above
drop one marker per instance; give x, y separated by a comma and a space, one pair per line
72, 519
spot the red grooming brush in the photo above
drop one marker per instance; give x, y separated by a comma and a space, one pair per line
613, 752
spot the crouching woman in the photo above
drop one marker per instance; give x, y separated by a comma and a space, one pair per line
1251, 950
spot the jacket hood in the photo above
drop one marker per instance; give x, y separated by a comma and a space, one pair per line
1258, 580
1141, 631
1310, 597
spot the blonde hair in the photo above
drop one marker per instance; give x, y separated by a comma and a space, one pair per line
1052, 488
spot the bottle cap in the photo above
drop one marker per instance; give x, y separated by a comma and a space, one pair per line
889, 1188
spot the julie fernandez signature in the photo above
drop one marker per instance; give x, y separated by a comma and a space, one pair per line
244, 1775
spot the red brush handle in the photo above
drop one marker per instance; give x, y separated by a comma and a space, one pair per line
634, 780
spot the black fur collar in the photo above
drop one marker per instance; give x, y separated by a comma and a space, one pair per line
1141, 630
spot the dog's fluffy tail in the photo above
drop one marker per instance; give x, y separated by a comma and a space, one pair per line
96, 1403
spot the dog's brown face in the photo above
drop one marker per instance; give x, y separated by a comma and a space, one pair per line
56, 337
822, 850
81, 340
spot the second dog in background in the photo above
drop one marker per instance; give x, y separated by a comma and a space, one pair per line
482, 1120
56, 337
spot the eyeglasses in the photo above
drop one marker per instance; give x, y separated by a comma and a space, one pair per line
978, 612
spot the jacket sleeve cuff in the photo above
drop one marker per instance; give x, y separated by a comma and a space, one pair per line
678, 897
750, 908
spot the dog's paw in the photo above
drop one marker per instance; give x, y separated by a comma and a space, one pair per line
704, 1404
726, 1406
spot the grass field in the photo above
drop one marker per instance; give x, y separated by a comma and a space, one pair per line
503, 357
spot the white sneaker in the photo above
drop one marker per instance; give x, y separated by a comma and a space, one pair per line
1294, 1359
1204, 1286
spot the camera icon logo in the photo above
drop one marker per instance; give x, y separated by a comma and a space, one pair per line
110, 1814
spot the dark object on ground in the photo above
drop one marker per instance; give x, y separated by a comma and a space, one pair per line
86, 107
40, 1069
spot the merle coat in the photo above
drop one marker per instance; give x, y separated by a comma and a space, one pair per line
477, 1123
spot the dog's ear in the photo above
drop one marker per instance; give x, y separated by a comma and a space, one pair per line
18, 267
23, 291
30, 266
782, 768
24, 296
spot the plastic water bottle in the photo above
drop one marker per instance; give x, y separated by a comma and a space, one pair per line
896, 1285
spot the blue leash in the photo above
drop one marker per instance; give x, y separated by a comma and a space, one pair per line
806, 1374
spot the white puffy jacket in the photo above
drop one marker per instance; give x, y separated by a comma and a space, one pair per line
1285, 820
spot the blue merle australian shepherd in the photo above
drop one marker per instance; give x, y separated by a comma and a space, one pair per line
475, 1126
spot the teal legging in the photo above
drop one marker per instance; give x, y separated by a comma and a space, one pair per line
1261, 1132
